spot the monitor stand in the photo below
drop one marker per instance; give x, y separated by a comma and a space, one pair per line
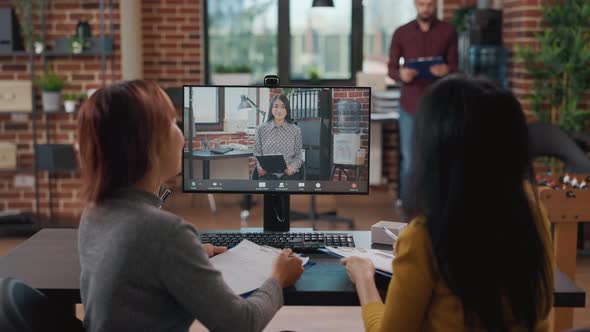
276, 212
312, 215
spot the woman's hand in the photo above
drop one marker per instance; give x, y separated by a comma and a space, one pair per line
290, 170
359, 269
261, 172
213, 250
361, 272
287, 269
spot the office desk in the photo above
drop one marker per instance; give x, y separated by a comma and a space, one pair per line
49, 262
207, 156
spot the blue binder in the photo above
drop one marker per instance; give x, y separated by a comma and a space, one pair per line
422, 65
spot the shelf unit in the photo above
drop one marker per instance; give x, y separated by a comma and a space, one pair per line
104, 5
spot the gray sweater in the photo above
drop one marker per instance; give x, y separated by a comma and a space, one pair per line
143, 269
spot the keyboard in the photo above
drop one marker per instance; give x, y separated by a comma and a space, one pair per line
299, 242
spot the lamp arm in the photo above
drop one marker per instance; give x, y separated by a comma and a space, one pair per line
256, 107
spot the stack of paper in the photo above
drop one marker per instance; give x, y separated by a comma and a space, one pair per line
381, 259
246, 266
386, 101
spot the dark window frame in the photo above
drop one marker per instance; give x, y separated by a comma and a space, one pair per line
216, 126
284, 46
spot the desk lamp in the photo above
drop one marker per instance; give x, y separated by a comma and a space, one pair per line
247, 103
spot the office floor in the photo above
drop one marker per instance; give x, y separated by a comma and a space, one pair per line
365, 210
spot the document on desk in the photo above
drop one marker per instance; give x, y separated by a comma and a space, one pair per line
246, 266
381, 259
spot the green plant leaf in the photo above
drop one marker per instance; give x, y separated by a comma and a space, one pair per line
560, 65
51, 82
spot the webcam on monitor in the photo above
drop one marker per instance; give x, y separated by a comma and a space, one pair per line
271, 81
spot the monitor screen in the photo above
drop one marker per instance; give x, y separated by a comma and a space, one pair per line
293, 140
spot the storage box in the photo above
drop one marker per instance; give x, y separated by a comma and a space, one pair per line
56, 157
378, 235
7, 155
15, 96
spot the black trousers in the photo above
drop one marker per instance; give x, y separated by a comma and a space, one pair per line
269, 176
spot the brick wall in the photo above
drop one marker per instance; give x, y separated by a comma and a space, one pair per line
224, 138
361, 96
172, 55
521, 20
81, 74
172, 42
450, 6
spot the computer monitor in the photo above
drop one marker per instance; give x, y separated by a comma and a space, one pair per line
276, 141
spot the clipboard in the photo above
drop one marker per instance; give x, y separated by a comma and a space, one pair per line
248, 265
272, 163
422, 65
380, 259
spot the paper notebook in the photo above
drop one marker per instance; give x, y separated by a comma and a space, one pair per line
247, 266
272, 163
381, 259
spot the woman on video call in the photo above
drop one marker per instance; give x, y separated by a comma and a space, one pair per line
142, 268
279, 135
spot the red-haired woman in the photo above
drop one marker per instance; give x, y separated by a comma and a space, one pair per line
144, 269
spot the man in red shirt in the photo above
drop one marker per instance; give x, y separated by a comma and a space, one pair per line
426, 36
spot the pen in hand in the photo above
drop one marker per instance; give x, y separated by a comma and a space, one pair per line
390, 233
164, 196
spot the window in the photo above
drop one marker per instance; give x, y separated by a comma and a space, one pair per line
285, 37
381, 18
242, 33
206, 106
320, 40
221, 109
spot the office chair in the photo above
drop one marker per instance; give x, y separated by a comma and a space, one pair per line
25, 309
549, 140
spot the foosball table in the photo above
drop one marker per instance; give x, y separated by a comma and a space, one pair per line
567, 201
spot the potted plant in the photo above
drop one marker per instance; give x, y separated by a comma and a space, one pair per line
314, 76
70, 101
25, 10
51, 86
38, 44
240, 74
560, 66
79, 44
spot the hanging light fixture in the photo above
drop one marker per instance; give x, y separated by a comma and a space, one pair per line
322, 3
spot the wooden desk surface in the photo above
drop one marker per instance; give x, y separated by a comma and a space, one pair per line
49, 262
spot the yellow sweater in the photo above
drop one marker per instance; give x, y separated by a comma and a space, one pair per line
417, 298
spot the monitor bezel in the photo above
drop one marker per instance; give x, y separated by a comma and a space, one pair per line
253, 192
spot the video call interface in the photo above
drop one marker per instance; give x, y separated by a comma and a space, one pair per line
283, 139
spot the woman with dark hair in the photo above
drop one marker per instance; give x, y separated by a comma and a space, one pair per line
478, 254
144, 269
279, 136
